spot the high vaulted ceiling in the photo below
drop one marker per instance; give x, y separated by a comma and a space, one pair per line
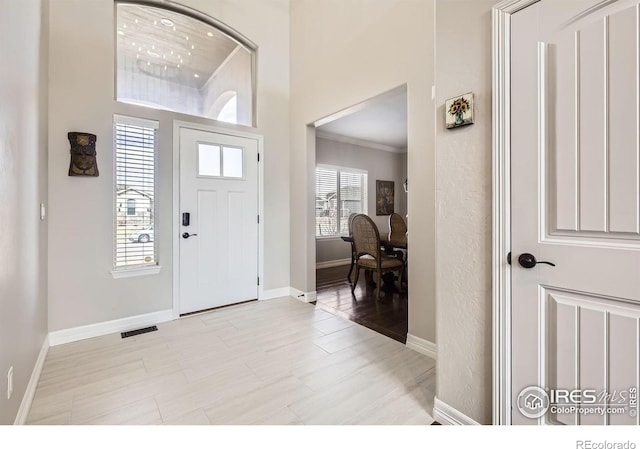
178, 48
172, 46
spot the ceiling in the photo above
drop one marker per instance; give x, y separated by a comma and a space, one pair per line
177, 48
381, 120
171, 46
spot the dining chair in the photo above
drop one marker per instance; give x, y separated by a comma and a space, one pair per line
398, 233
366, 239
353, 248
397, 228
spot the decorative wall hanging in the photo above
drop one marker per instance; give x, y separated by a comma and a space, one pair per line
459, 111
83, 154
384, 197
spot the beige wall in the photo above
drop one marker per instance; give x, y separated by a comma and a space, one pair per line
463, 172
342, 53
23, 186
81, 288
379, 164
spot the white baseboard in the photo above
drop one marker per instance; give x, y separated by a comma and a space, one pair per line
302, 296
447, 415
275, 293
310, 296
288, 291
422, 346
109, 327
30, 392
332, 263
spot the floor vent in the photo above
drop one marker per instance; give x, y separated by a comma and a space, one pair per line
138, 331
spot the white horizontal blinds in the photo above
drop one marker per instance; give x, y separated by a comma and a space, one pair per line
135, 142
326, 201
339, 193
353, 197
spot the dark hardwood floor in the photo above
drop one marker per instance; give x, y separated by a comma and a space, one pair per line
387, 316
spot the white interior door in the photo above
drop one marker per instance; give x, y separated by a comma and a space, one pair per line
575, 203
219, 246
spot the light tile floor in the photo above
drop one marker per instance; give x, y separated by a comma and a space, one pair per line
270, 362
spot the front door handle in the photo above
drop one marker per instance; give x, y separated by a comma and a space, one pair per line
186, 235
527, 260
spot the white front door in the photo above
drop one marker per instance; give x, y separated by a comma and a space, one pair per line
575, 151
219, 236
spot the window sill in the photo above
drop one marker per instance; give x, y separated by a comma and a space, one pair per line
330, 237
135, 272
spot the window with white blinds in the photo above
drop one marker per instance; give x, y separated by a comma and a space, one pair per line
340, 192
135, 144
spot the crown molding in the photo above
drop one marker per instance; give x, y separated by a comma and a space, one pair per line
359, 142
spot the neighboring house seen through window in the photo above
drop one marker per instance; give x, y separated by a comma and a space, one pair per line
135, 145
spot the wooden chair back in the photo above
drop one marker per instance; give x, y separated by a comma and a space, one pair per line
397, 227
366, 237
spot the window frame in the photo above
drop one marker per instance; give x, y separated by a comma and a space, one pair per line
222, 158
364, 199
222, 27
139, 269
222, 102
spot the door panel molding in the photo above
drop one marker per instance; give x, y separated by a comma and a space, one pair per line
543, 143
600, 303
587, 328
588, 12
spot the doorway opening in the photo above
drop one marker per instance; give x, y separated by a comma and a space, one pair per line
361, 168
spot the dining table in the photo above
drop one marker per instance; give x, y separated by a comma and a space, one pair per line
395, 246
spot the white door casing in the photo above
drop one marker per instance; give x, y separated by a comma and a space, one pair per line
219, 265
569, 132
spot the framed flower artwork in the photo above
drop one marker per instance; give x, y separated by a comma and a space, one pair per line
459, 111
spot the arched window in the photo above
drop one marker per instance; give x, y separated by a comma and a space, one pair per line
182, 61
225, 108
